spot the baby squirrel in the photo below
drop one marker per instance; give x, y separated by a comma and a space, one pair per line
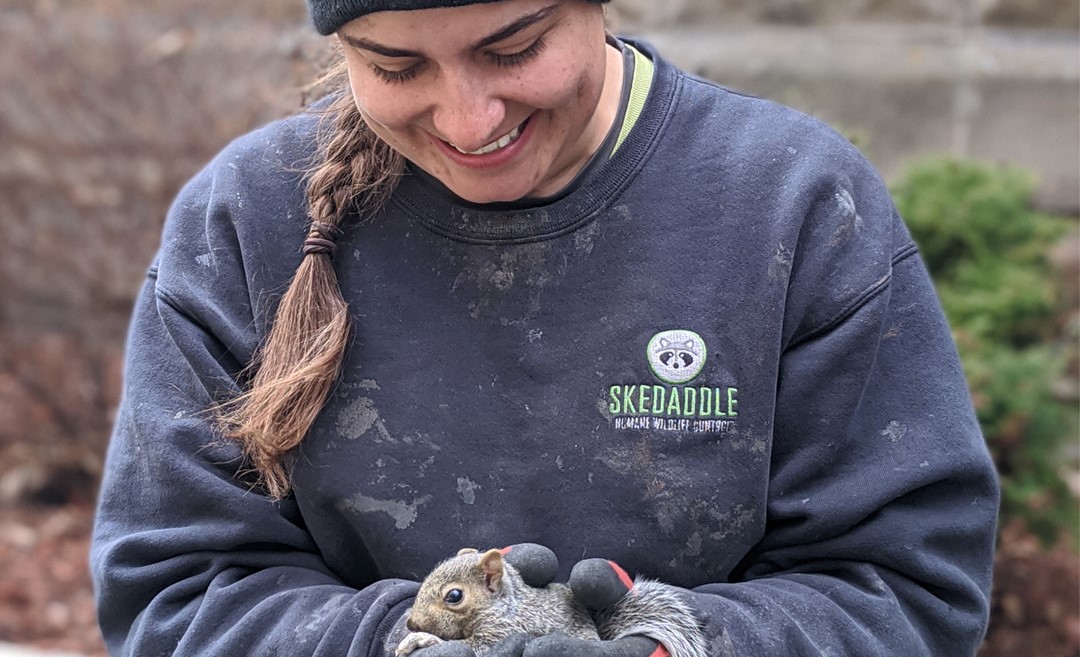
481, 599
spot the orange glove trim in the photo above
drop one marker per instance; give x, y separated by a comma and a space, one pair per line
626, 580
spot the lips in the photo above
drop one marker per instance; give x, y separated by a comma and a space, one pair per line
501, 142
496, 154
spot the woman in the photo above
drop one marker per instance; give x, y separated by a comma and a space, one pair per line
551, 289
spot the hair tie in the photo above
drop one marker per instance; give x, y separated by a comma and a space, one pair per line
320, 239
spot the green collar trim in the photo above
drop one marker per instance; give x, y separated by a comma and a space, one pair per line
639, 91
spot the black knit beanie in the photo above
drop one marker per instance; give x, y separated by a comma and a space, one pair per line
329, 15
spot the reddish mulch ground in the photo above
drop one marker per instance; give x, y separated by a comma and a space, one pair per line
46, 599
1036, 600
45, 594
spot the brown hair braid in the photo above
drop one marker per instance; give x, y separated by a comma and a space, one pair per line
302, 355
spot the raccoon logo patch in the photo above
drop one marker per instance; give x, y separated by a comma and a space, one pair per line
676, 356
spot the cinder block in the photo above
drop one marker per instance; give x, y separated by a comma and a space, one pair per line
904, 92
1055, 14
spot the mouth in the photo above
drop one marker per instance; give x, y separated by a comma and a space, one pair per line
498, 144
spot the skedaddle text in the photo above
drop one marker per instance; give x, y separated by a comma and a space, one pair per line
672, 402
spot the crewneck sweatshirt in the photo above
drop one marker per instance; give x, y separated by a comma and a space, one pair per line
719, 363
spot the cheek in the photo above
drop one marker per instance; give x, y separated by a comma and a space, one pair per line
584, 86
558, 85
383, 108
558, 96
379, 112
390, 123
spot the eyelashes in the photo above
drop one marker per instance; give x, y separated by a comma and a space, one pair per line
393, 77
502, 61
520, 57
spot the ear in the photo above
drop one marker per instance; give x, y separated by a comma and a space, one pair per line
491, 565
664, 343
466, 551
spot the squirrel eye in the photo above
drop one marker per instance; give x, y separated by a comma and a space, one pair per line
453, 597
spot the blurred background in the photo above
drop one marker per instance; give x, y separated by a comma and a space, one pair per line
970, 108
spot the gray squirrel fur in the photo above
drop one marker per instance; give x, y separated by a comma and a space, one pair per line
496, 603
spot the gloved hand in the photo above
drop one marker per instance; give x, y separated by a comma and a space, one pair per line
597, 584
536, 564
511, 646
560, 645
551, 645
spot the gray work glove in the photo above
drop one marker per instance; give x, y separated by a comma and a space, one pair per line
551, 645
597, 584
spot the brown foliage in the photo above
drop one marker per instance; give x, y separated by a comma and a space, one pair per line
57, 395
108, 108
1036, 599
45, 594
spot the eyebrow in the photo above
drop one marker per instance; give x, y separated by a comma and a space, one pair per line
504, 33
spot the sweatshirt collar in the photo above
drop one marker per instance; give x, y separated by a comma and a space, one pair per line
502, 223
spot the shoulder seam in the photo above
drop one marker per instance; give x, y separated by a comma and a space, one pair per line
901, 254
904, 252
850, 309
715, 85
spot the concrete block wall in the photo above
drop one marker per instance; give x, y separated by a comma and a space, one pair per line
994, 80
1056, 14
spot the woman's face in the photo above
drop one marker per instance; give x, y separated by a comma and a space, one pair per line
499, 100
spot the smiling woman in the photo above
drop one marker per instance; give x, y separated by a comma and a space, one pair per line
497, 101
540, 286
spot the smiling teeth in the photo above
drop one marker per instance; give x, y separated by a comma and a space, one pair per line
502, 142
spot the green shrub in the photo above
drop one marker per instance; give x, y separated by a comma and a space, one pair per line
986, 250
1000, 301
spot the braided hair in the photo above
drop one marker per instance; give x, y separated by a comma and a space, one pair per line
353, 174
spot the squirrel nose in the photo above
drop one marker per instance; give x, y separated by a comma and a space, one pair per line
411, 624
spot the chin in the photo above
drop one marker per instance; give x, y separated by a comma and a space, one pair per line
490, 193
481, 198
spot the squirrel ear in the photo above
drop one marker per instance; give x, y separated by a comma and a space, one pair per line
466, 551
491, 565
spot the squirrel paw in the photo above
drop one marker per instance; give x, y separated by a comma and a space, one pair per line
415, 641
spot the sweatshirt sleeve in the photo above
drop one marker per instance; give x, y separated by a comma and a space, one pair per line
882, 496
187, 557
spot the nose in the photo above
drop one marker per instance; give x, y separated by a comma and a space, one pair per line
409, 623
466, 112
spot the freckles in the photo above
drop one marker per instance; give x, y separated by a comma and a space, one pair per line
588, 87
584, 89
576, 86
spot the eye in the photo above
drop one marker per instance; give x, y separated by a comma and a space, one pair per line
520, 57
387, 75
453, 597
